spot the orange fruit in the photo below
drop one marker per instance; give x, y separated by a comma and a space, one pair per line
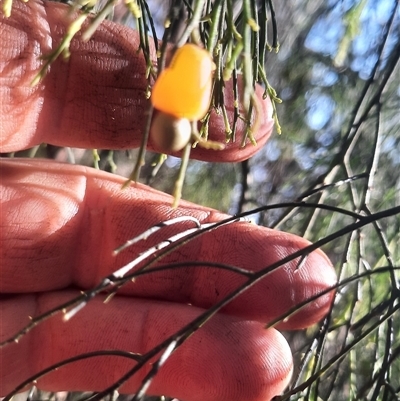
183, 89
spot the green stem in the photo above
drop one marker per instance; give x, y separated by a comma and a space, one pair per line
177, 194
193, 23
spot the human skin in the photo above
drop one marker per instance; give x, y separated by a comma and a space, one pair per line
95, 98
60, 223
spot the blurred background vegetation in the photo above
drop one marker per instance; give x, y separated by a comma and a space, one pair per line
338, 75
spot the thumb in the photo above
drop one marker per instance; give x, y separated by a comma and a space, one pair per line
96, 98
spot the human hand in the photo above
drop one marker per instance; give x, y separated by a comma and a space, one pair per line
60, 224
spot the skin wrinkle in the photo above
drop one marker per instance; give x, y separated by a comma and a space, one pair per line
204, 281
108, 75
81, 242
10, 326
96, 223
174, 282
102, 220
37, 338
101, 217
29, 62
54, 103
48, 221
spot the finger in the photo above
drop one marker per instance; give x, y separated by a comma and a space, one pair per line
60, 224
227, 359
96, 98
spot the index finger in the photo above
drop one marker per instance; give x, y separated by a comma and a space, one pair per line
60, 224
95, 99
